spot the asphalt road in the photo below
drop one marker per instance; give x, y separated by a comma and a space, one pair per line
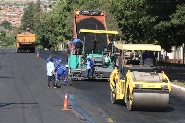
25, 97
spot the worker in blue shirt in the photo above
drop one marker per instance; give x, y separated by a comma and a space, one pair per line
57, 68
62, 73
77, 40
78, 44
89, 67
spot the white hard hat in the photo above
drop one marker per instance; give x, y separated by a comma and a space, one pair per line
66, 65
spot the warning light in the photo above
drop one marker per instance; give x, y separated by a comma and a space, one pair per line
77, 13
83, 55
102, 14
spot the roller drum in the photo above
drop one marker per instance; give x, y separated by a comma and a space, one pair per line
146, 99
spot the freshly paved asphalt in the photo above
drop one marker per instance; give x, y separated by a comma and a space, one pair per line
25, 97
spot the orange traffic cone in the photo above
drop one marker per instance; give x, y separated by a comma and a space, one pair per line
38, 54
66, 105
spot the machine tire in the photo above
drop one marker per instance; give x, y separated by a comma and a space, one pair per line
128, 100
113, 97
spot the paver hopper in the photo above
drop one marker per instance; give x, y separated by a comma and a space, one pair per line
138, 82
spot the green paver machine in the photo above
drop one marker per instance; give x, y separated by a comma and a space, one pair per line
77, 66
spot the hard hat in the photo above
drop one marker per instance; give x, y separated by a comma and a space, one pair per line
60, 59
88, 57
66, 65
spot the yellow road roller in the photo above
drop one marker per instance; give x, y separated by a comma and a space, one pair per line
137, 81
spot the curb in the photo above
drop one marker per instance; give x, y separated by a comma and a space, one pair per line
179, 87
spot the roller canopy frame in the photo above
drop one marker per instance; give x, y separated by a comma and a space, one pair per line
150, 47
98, 31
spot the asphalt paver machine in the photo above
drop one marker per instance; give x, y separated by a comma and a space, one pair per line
77, 66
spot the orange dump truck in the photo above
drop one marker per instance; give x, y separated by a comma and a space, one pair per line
26, 42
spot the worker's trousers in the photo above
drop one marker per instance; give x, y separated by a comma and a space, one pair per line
64, 79
60, 76
51, 79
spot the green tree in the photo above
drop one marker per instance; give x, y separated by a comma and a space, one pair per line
133, 20
3, 33
37, 14
143, 21
6, 24
27, 20
172, 31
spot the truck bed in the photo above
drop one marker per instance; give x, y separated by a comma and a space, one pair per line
26, 37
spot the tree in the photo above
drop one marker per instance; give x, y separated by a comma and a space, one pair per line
139, 21
6, 24
172, 31
27, 20
143, 21
37, 15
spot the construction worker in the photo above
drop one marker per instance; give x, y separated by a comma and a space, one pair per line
50, 73
61, 74
57, 68
48, 60
78, 44
58, 62
64, 75
107, 60
89, 67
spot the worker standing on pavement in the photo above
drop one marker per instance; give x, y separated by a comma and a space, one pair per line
50, 73
48, 60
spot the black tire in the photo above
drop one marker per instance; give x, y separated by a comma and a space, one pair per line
113, 97
128, 100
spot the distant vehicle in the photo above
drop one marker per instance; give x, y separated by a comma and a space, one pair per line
26, 41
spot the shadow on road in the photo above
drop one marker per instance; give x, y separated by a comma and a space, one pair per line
7, 104
6, 77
